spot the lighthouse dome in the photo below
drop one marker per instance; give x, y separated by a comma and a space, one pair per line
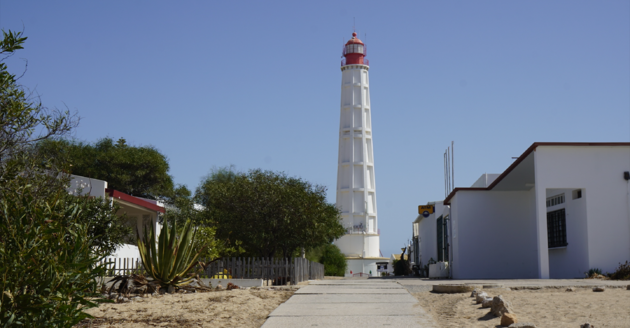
354, 39
354, 46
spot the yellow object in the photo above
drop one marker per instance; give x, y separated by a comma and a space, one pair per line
223, 275
429, 208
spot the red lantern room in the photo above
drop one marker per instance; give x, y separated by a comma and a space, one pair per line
355, 52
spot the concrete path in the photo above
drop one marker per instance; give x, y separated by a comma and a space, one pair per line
350, 303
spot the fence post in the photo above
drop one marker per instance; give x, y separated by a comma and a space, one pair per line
286, 272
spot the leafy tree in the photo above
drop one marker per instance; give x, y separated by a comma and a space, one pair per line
182, 208
49, 244
268, 213
107, 230
331, 257
24, 121
137, 171
48, 268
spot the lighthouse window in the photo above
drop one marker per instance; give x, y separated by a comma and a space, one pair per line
354, 48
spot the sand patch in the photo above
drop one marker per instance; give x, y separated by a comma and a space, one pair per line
234, 308
545, 308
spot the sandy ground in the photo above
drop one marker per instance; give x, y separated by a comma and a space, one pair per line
545, 308
234, 308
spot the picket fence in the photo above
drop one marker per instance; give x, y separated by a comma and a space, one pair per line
273, 271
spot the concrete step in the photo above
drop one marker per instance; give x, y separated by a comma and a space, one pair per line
351, 298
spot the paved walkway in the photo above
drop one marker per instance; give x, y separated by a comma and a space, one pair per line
350, 303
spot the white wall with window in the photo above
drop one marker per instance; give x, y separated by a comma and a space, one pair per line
567, 234
598, 222
425, 237
557, 211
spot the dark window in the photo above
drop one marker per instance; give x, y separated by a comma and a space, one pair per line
442, 240
557, 229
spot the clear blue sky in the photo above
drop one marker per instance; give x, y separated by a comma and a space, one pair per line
257, 84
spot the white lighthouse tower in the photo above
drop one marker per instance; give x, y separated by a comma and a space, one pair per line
356, 188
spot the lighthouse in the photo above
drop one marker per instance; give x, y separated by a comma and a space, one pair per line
356, 185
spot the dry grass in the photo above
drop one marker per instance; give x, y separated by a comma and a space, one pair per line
545, 308
234, 308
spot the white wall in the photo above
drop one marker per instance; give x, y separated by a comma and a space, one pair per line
492, 235
126, 251
356, 185
354, 245
87, 186
598, 170
571, 261
485, 180
365, 266
428, 235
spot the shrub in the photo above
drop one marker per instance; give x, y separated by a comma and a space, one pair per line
47, 263
593, 271
402, 268
622, 272
333, 260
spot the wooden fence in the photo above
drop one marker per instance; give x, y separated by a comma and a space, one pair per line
274, 271
117, 266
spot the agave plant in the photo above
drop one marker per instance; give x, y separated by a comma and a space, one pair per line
170, 261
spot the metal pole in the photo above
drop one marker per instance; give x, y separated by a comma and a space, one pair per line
452, 165
445, 188
448, 168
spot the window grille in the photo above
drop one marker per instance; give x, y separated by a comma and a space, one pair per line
555, 200
557, 229
442, 240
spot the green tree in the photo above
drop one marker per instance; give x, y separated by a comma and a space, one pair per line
182, 208
268, 213
331, 257
49, 244
23, 122
138, 171
48, 265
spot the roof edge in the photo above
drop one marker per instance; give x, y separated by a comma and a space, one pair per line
134, 200
532, 148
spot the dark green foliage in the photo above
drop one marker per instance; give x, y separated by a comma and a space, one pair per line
622, 272
49, 244
402, 268
268, 213
333, 260
48, 268
593, 271
106, 229
181, 209
137, 171
329, 254
315, 254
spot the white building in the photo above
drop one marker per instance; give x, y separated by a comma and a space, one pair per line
557, 211
356, 188
140, 212
427, 241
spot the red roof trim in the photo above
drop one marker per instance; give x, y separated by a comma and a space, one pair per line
134, 200
529, 150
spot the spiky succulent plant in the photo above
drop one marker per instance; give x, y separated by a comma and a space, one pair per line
169, 258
